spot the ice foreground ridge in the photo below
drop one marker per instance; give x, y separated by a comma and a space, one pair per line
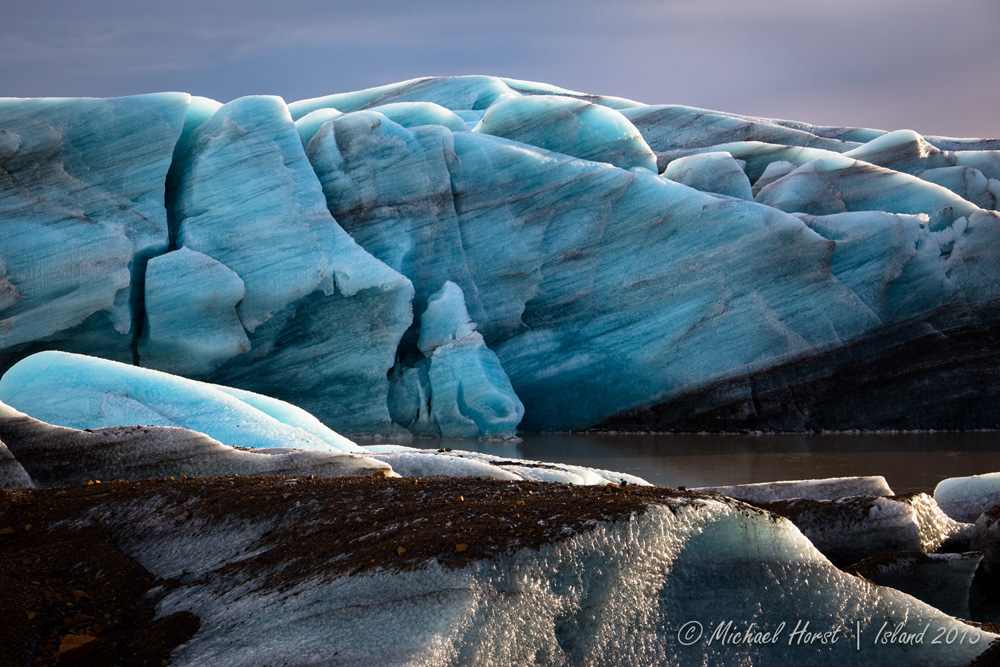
469, 572
465, 256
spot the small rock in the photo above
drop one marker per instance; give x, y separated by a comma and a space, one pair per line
461, 546
400, 550
79, 595
6, 531
74, 648
32, 614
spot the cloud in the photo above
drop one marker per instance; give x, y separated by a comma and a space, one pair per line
920, 63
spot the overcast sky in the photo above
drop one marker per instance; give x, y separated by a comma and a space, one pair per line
928, 65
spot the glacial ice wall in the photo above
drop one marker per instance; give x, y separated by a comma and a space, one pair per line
626, 266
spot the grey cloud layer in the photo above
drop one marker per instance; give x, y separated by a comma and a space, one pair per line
914, 63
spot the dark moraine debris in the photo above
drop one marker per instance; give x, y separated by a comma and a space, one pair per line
362, 522
943, 369
69, 593
57, 455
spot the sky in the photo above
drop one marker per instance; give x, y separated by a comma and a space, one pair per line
928, 65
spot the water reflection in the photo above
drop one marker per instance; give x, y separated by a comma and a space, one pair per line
909, 461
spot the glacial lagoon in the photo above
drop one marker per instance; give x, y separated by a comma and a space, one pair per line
912, 461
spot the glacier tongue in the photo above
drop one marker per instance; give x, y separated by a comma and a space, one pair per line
290, 250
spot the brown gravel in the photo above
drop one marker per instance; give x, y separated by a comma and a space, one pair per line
72, 597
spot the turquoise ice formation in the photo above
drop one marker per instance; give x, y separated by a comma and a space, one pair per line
92, 418
626, 266
716, 172
459, 388
571, 127
86, 392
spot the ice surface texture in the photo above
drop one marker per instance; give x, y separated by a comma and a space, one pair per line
851, 528
618, 593
941, 580
82, 207
965, 498
12, 473
830, 488
772, 275
413, 462
85, 392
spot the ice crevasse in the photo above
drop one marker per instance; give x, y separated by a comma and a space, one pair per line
601, 263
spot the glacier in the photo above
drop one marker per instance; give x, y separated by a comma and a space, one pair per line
626, 266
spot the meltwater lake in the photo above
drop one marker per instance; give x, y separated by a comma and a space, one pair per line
909, 461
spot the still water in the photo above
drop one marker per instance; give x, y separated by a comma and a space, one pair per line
909, 461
